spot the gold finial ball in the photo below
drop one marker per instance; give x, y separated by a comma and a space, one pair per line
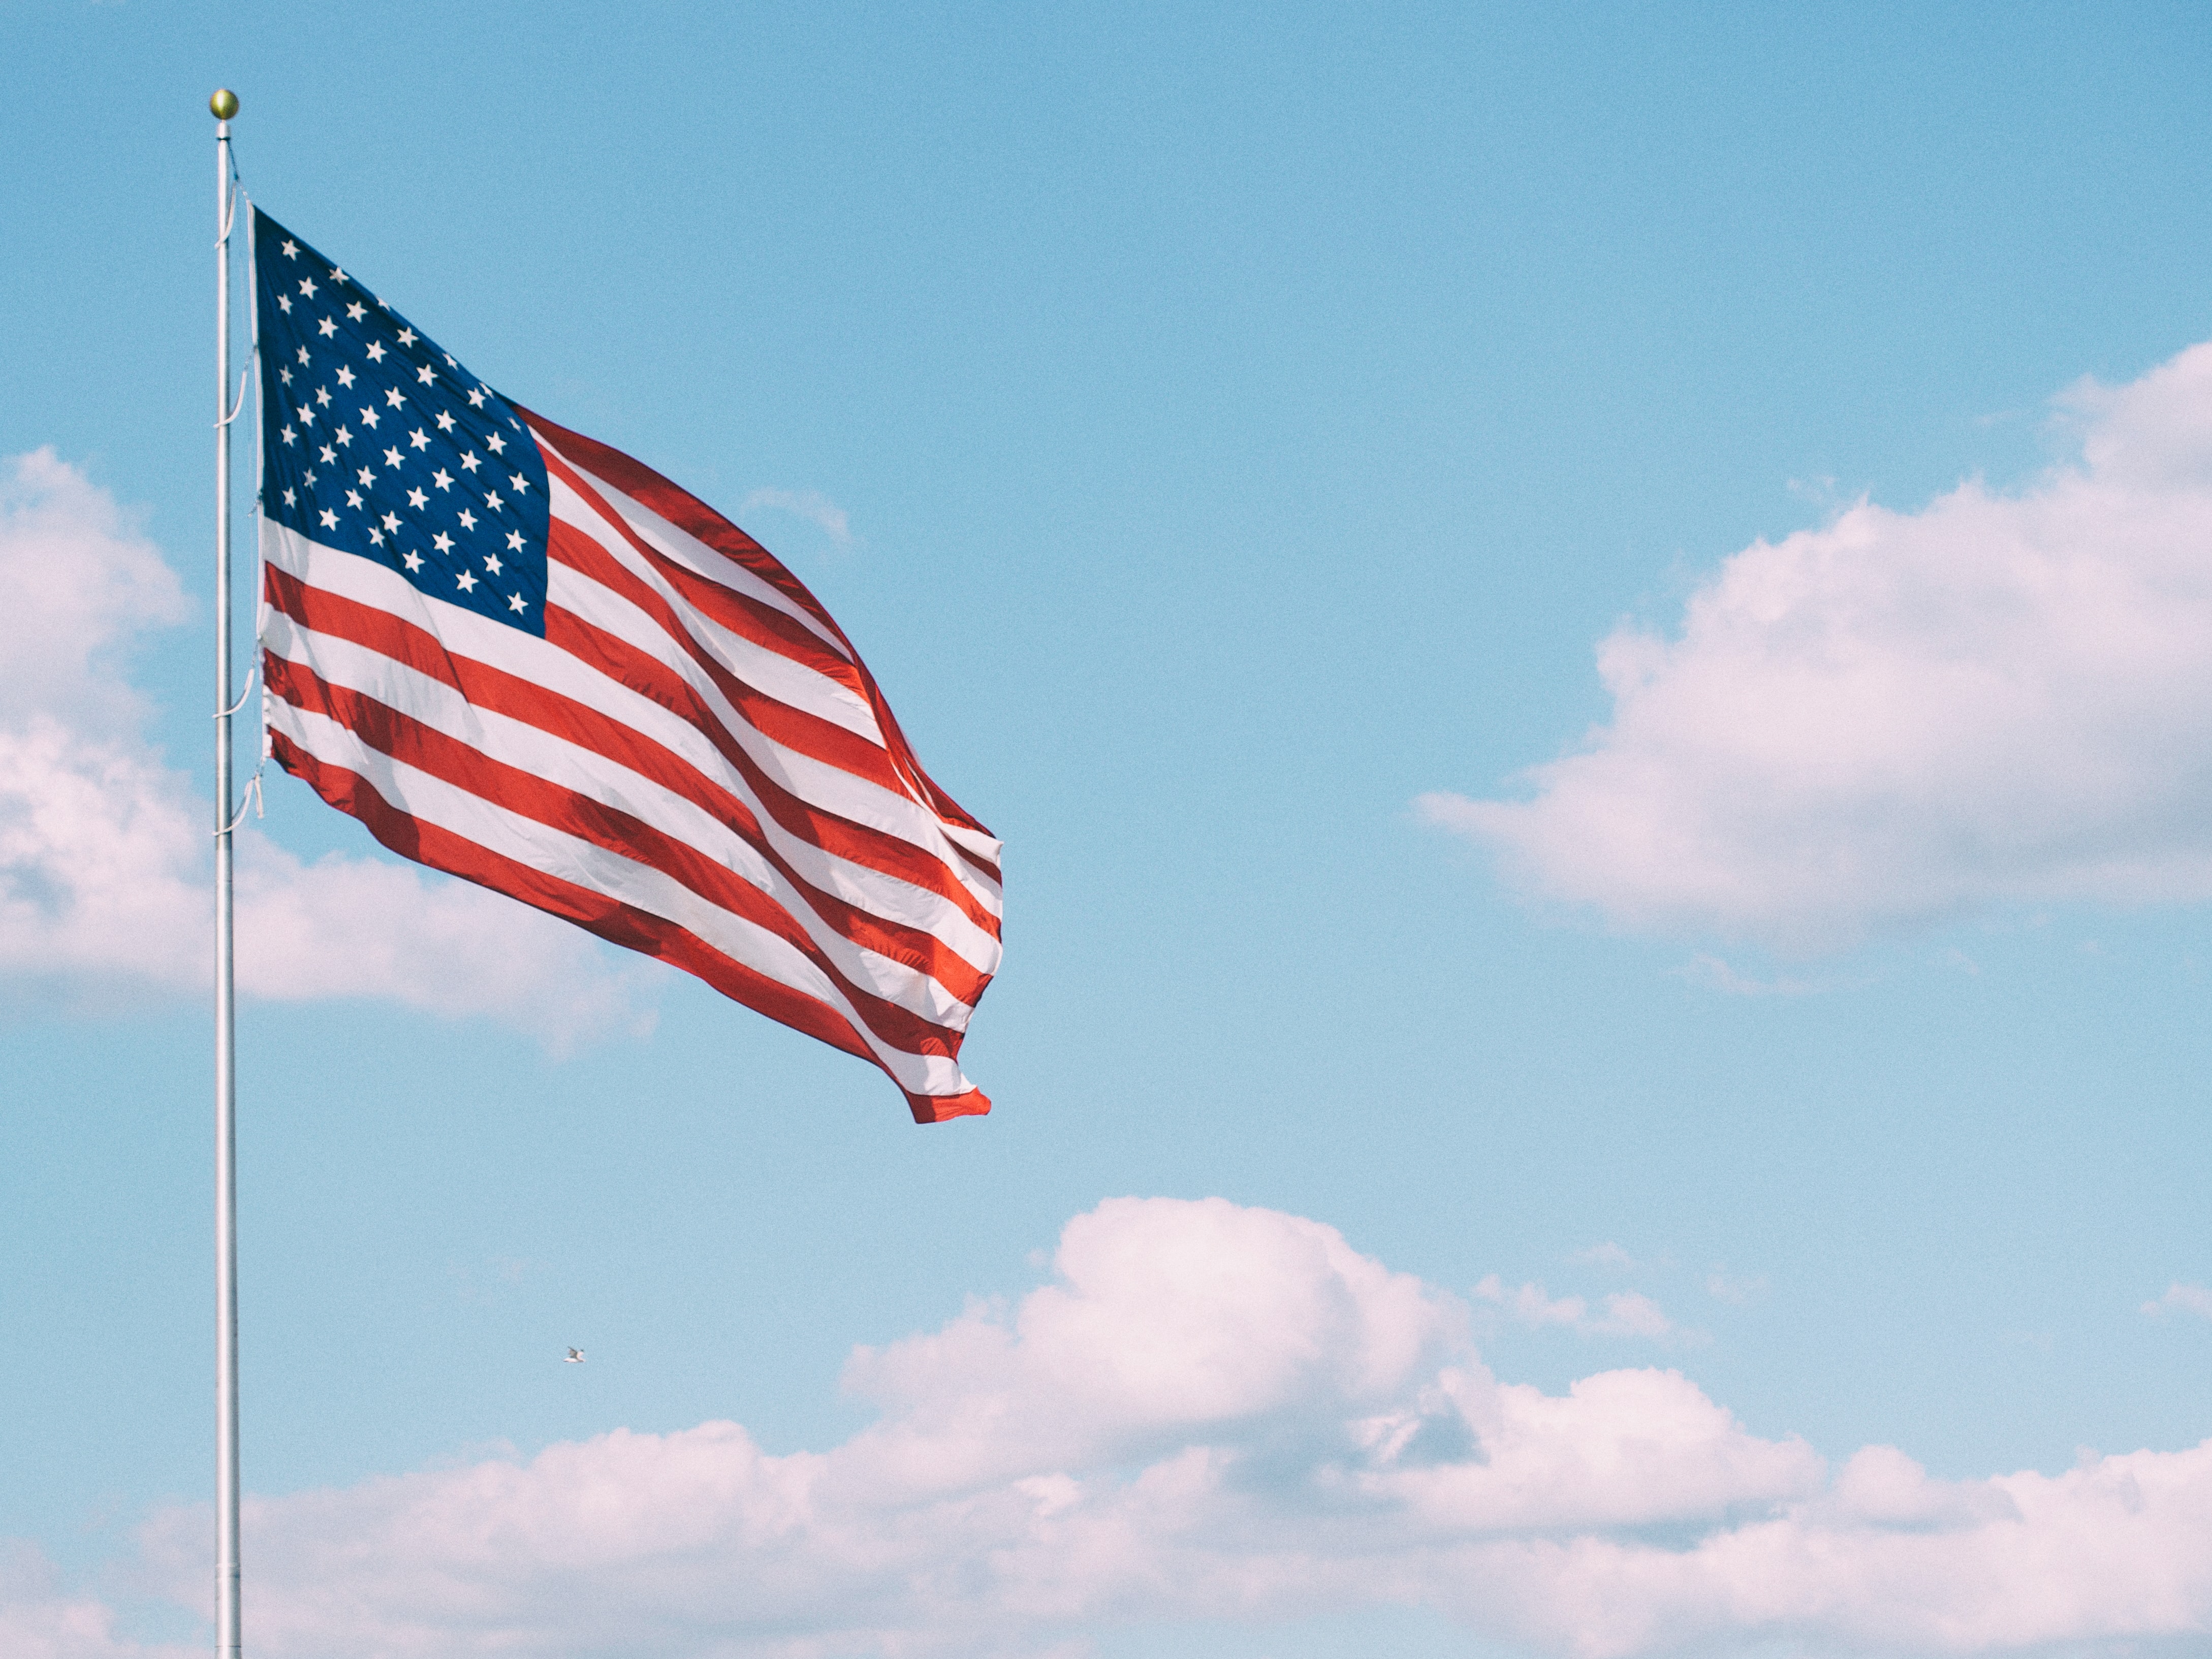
224, 104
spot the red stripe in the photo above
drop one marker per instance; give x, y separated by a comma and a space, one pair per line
691, 514
407, 740
485, 687
535, 705
646, 674
611, 920
938, 1109
763, 624
796, 728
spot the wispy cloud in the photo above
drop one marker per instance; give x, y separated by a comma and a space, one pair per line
2182, 1298
1622, 1313
1724, 1287
1897, 718
1714, 973
811, 505
1607, 1255
1207, 1413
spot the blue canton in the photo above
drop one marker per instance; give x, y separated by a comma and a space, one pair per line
375, 441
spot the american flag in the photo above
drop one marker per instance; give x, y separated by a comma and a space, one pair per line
521, 656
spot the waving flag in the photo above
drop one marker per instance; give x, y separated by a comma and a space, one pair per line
522, 657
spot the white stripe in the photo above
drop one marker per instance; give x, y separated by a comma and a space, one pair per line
419, 795
768, 670
466, 633
574, 510
690, 551
592, 776
891, 813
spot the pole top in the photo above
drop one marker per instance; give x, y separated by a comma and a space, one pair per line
224, 105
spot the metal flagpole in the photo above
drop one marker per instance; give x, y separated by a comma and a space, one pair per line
223, 106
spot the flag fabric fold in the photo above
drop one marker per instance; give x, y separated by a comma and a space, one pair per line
519, 655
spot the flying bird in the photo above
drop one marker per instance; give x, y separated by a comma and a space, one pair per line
575, 1356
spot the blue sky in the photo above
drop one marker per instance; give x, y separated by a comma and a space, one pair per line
1246, 425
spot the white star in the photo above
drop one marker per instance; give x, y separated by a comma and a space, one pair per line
355, 312
323, 397
344, 436
330, 455
353, 498
392, 522
445, 421
393, 397
337, 275
303, 357
514, 541
492, 563
376, 537
291, 249
307, 286
515, 604
376, 351
443, 478
442, 542
289, 435
285, 376
475, 397
468, 520
470, 463
467, 580
427, 376
419, 438
345, 376
311, 478
493, 501
414, 560
448, 357
368, 478
520, 482
306, 415
392, 459
407, 337
290, 500
418, 500
284, 304
368, 418
330, 520
328, 326
496, 443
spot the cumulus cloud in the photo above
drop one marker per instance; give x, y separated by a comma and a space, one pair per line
1215, 1412
1898, 718
811, 505
105, 849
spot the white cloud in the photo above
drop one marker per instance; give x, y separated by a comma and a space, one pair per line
1213, 1413
1900, 717
811, 505
2182, 1298
1623, 1313
105, 850
40, 1620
